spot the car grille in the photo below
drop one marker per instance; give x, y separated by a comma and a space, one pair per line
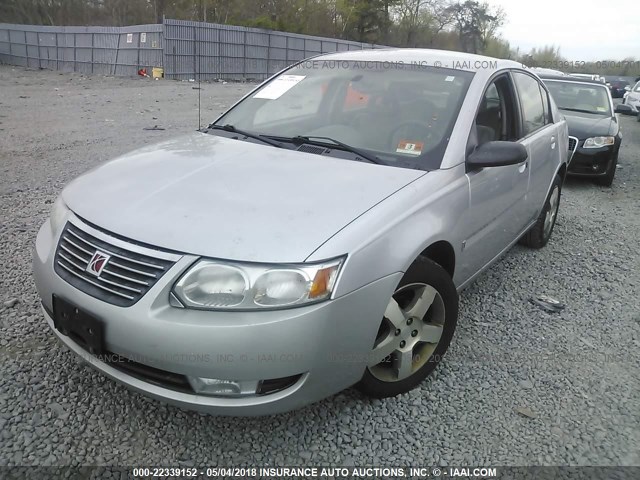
123, 280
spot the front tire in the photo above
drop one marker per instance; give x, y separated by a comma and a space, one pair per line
538, 236
415, 332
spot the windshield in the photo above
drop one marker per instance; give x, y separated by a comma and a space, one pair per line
401, 114
580, 97
637, 87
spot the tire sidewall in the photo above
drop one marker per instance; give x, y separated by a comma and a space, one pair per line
547, 207
536, 237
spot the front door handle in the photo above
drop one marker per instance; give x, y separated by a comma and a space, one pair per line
553, 143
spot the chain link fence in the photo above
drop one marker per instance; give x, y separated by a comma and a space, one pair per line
186, 50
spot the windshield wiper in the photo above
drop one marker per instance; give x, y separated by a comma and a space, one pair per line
262, 138
315, 140
582, 110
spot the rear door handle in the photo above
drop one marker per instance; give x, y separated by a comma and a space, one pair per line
522, 168
553, 143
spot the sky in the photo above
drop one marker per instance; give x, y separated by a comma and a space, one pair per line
587, 30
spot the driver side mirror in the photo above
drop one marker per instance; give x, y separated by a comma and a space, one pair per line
497, 154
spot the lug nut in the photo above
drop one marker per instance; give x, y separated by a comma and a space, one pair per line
402, 344
398, 332
414, 333
409, 321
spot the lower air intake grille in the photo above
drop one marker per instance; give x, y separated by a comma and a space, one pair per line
573, 143
146, 373
112, 274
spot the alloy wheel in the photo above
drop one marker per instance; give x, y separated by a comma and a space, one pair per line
412, 326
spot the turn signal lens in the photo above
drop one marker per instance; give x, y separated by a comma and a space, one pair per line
323, 282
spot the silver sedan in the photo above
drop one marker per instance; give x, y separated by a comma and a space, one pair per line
312, 238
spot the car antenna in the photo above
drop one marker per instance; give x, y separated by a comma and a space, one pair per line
199, 85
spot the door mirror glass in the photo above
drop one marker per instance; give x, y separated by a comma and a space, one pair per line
497, 154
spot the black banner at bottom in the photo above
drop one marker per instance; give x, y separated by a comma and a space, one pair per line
319, 472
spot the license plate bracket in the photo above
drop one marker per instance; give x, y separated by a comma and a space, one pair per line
80, 326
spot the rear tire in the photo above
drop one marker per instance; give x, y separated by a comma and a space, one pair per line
538, 236
415, 332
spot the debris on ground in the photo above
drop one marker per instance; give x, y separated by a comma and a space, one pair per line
11, 303
547, 303
526, 412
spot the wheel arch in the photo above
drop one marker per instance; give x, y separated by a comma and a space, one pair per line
442, 253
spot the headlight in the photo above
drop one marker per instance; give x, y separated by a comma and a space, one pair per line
219, 285
58, 215
597, 142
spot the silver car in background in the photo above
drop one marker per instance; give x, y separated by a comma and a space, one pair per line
312, 238
632, 99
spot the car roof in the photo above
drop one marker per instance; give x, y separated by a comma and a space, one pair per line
428, 57
572, 79
547, 71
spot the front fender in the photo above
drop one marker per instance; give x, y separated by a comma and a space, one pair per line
388, 238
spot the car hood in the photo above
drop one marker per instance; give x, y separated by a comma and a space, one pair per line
585, 125
224, 198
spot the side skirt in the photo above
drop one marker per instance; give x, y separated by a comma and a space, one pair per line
471, 279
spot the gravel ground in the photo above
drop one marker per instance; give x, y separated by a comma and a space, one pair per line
519, 386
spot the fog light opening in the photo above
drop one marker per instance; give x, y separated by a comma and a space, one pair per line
218, 387
277, 384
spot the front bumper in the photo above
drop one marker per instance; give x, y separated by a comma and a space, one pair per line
591, 162
326, 344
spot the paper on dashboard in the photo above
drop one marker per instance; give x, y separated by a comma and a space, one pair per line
276, 88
